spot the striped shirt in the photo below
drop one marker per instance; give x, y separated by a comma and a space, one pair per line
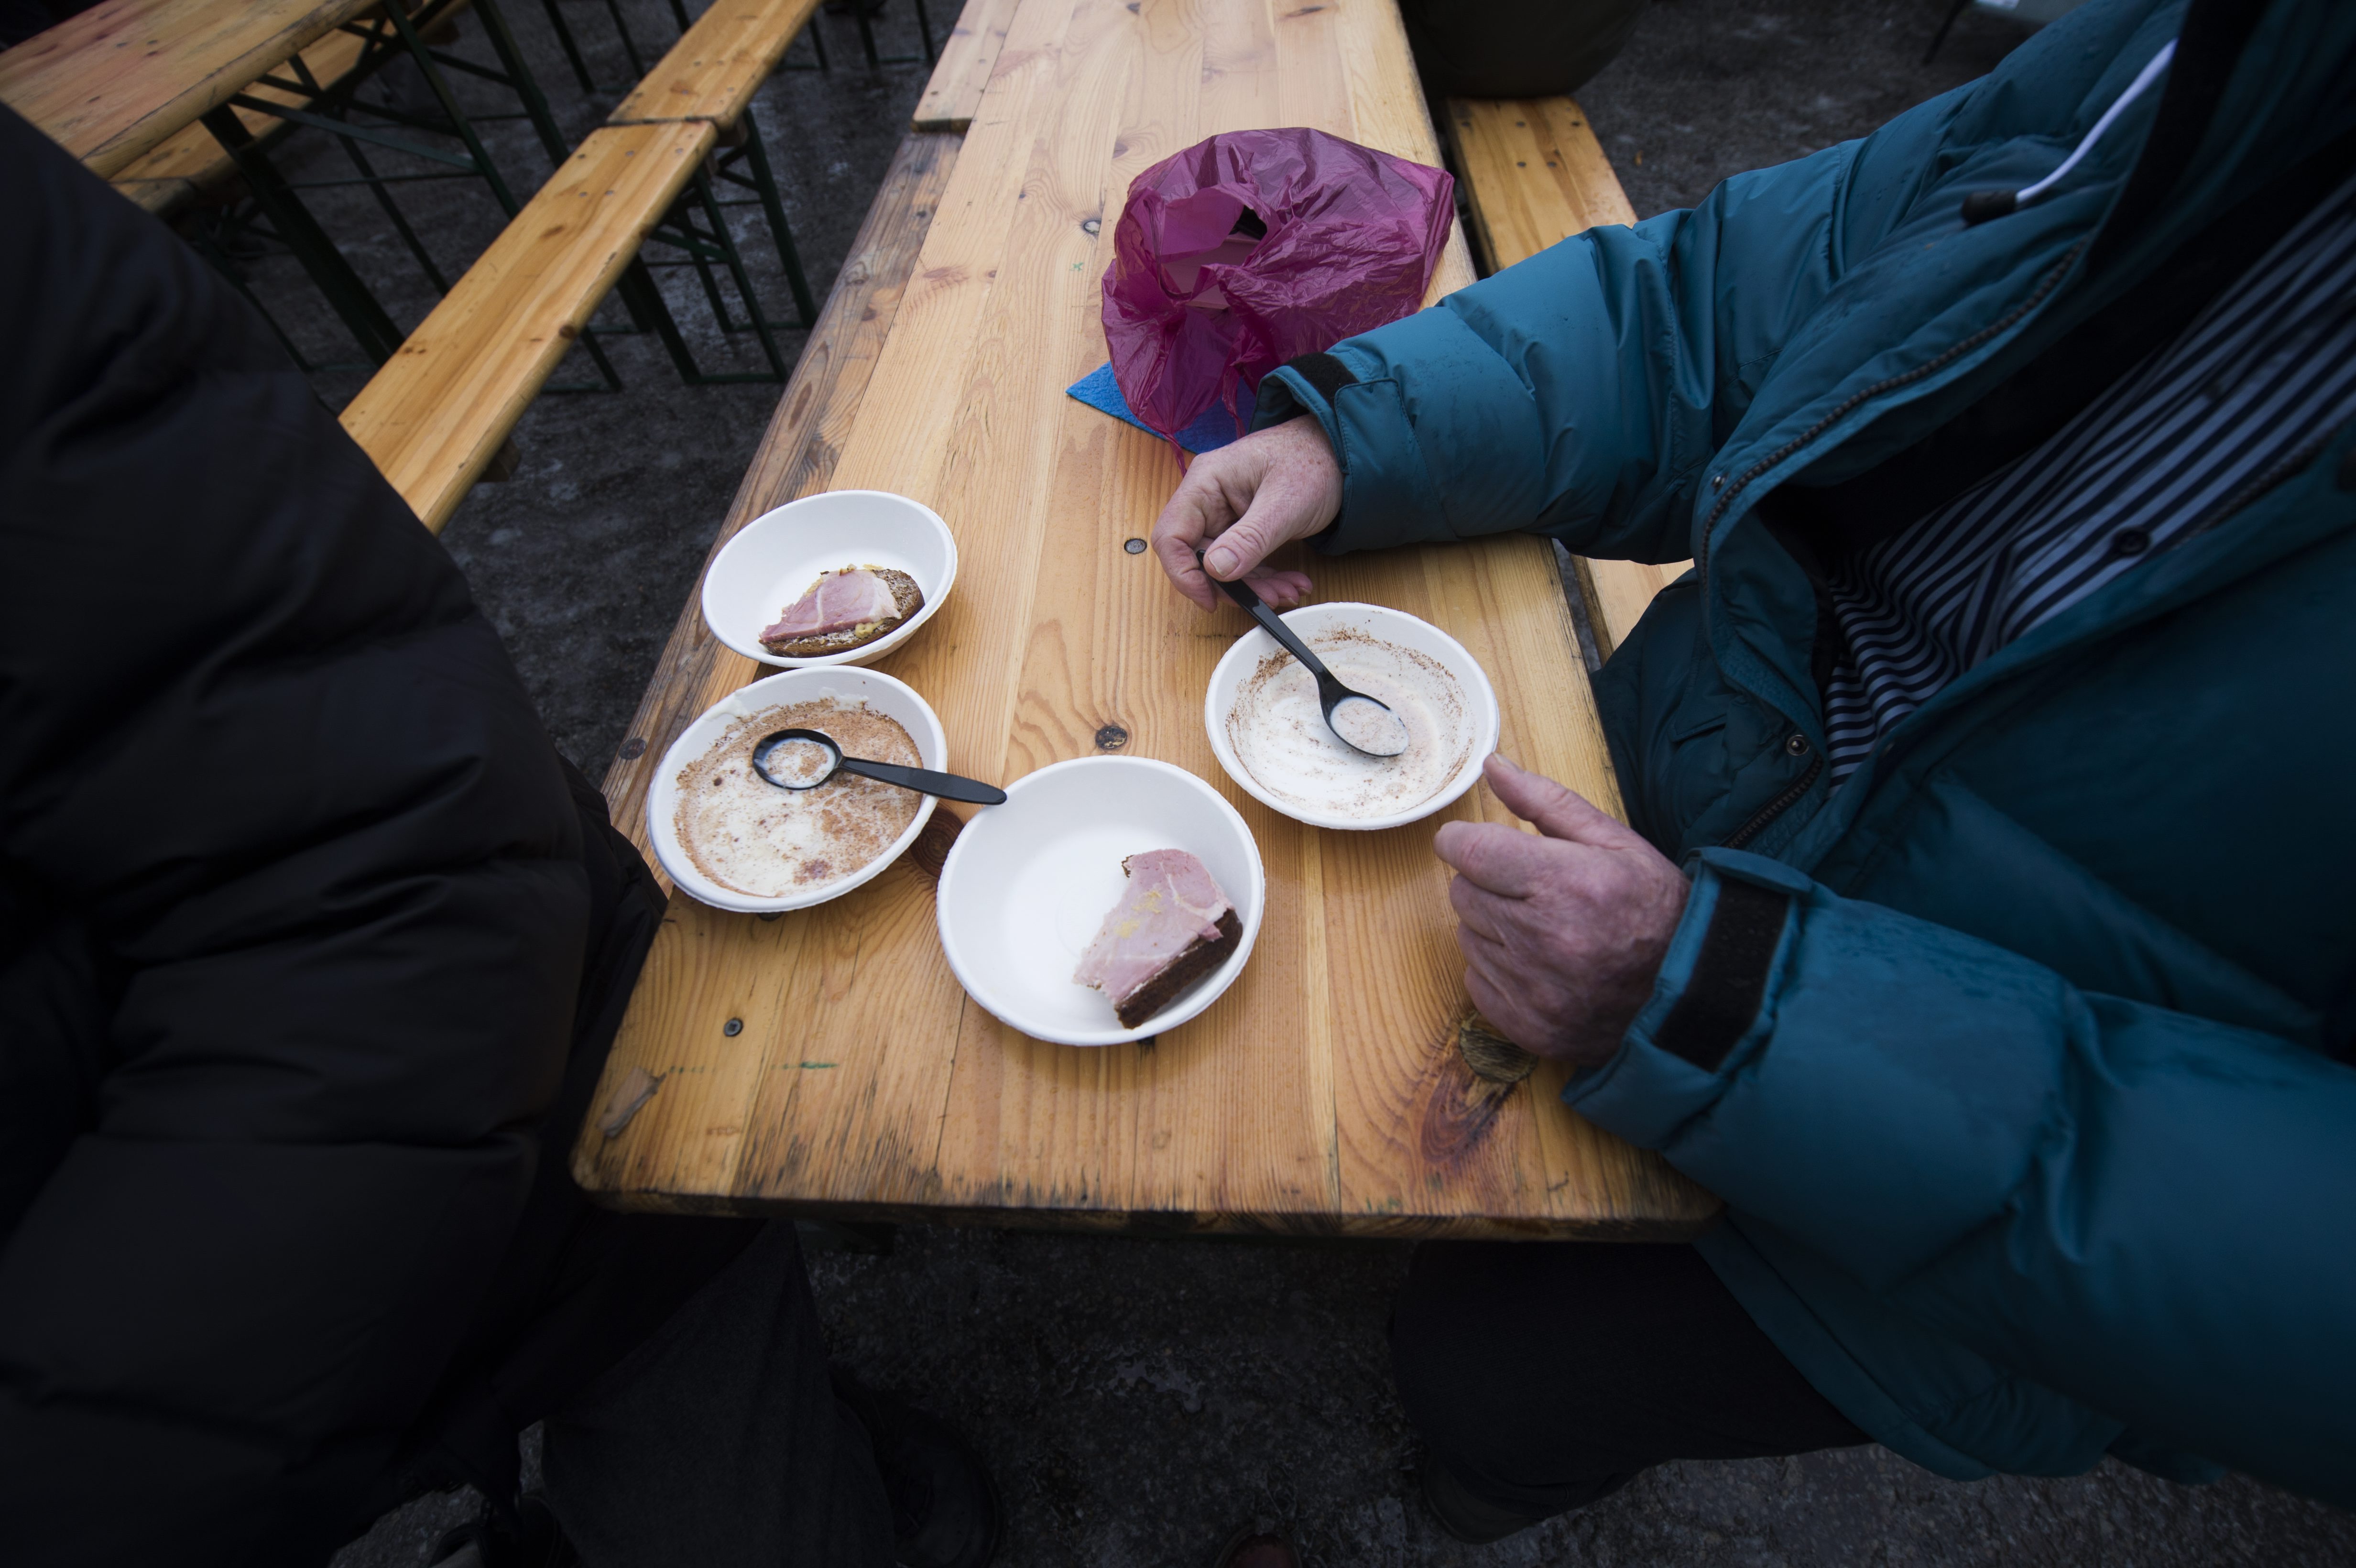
2266, 373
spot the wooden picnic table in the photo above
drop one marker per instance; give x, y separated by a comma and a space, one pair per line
826, 1062
112, 83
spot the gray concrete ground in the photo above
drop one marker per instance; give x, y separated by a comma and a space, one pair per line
1142, 1397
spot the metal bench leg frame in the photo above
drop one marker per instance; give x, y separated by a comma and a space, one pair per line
572, 49
629, 45
301, 233
644, 298
867, 36
764, 184
205, 238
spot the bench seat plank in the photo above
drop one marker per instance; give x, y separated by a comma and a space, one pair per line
438, 412
1535, 176
717, 66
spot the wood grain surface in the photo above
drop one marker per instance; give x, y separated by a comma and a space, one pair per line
116, 81
437, 412
968, 57
1324, 1092
1534, 176
718, 64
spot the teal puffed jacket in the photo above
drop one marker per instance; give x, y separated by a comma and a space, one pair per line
2022, 1060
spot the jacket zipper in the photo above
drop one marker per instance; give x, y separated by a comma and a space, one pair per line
1776, 808
2046, 285
2050, 281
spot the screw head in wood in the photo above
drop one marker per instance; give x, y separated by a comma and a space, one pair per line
1091, 225
633, 747
1134, 546
732, 1028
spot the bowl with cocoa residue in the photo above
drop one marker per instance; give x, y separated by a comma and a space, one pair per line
730, 840
1269, 733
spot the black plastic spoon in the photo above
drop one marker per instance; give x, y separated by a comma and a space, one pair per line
1381, 731
825, 758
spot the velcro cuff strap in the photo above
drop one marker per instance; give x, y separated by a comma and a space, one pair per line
1730, 978
1324, 373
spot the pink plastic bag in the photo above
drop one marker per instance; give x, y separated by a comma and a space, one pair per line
1253, 247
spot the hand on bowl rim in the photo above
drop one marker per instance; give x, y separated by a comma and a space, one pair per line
1272, 487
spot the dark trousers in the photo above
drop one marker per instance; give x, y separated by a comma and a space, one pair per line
1542, 1376
719, 1442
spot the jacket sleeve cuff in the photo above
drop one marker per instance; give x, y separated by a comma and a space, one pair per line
1437, 437
1711, 1008
1388, 497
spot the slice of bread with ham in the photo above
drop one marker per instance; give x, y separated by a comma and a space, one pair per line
844, 610
1173, 926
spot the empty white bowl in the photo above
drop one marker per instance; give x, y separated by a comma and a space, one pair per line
774, 559
1028, 884
894, 699
1395, 627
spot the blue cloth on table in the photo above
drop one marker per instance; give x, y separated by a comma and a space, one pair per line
1212, 429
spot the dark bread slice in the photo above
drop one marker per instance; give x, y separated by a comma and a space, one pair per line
1200, 957
905, 592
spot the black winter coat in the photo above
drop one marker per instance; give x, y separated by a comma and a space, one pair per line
309, 947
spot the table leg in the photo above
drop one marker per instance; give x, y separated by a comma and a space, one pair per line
765, 185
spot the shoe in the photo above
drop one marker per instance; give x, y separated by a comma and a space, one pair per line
532, 1538
1468, 1518
1249, 1548
945, 1507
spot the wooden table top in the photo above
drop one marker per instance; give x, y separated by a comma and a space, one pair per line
114, 82
1325, 1092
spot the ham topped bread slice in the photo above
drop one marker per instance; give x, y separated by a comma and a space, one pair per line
843, 610
1173, 926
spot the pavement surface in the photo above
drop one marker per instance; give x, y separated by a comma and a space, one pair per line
1141, 1398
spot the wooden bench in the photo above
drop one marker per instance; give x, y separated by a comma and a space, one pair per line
439, 412
718, 64
436, 417
1533, 175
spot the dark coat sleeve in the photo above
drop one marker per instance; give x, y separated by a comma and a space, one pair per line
274, 804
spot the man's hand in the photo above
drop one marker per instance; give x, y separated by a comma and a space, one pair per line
1268, 490
1562, 934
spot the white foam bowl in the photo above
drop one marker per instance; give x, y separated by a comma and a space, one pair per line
1027, 886
774, 559
1396, 626
894, 699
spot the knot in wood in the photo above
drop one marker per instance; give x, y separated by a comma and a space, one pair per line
1492, 1057
1111, 737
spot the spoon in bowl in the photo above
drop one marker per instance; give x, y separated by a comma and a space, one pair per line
811, 757
1363, 723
